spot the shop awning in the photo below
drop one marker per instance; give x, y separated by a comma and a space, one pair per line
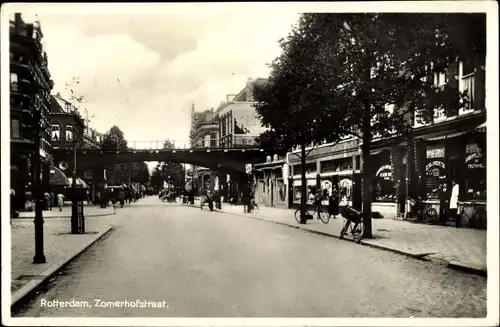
377, 151
446, 134
482, 127
79, 182
57, 177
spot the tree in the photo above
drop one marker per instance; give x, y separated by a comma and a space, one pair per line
369, 74
114, 139
290, 105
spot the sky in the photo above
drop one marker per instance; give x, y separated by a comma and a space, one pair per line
142, 72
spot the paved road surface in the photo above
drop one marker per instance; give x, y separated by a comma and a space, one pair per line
208, 264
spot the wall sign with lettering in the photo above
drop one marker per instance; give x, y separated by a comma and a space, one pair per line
435, 168
385, 172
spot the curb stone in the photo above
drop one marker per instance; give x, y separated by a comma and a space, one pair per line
456, 265
419, 256
27, 289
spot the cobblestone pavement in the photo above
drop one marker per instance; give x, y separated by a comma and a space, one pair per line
211, 264
58, 244
467, 246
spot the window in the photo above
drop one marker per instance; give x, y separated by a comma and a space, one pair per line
67, 106
69, 133
440, 78
467, 84
15, 131
56, 133
14, 82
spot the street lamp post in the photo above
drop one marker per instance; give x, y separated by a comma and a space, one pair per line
37, 190
77, 218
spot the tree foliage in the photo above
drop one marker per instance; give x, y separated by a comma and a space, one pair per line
114, 139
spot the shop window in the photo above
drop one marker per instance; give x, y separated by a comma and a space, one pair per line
475, 181
384, 184
15, 128
14, 82
345, 190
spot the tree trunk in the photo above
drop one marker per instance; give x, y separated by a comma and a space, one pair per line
367, 172
303, 187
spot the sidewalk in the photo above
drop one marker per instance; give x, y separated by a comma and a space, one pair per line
462, 248
89, 210
60, 247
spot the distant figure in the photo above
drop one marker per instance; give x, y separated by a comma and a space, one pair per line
60, 201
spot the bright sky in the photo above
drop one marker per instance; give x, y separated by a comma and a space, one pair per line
143, 71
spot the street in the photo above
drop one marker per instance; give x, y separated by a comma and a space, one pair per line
210, 264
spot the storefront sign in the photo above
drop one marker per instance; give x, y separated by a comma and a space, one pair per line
385, 172
434, 168
475, 160
435, 164
435, 152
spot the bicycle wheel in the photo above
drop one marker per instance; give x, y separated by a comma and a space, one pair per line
359, 232
297, 215
344, 229
323, 216
430, 216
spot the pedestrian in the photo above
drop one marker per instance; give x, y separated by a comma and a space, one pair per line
455, 190
333, 204
444, 197
60, 201
245, 197
51, 200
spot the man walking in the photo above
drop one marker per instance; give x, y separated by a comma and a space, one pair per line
60, 201
454, 203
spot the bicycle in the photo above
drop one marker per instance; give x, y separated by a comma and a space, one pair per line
354, 224
320, 214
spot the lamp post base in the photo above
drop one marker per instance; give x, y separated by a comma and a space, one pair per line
39, 258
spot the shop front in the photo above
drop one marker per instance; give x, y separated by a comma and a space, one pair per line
270, 187
454, 157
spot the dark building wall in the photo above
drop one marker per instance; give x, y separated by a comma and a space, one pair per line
30, 86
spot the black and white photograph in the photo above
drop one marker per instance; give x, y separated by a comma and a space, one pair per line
250, 164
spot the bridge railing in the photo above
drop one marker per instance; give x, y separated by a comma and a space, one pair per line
178, 145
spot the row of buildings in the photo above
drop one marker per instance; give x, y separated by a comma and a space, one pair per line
450, 147
39, 122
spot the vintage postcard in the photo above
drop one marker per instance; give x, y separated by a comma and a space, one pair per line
253, 164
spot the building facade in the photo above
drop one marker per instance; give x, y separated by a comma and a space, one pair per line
30, 86
67, 125
239, 125
204, 129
